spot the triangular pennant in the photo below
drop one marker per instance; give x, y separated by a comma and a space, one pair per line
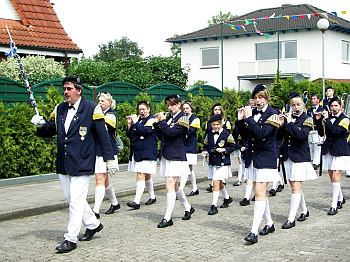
295, 16
335, 14
272, 16
268, 36
287, 16
302, 16
236, 27
309, 16
343, 12
244, 28
316, 15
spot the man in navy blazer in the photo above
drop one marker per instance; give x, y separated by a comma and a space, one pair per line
79, 124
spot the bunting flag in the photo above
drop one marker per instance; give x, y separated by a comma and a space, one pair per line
273, 16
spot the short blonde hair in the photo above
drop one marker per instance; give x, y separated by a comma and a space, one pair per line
297, 99
109, 98
265, 94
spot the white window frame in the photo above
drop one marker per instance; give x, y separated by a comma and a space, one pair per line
282, 50
210, 65
345, 44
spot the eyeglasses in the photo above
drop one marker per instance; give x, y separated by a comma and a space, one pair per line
68, 88
103, 93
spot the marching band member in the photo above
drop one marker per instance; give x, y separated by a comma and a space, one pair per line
335, 152
259, 126
173, 163
315, 148
329, 96
78, 123
217, 110
219, 144
296, 155
143, 152
103, 186
191, 146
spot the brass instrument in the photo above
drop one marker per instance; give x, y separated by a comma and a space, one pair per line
346, 104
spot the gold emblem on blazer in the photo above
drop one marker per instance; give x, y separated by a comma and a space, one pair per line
82, 132
221, 143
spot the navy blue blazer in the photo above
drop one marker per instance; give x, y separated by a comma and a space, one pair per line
76, 149
225, 140
325, 104
143, 140
111, 124
295, 139
261, 138
173, 137
336, 135
310, 112
191, 135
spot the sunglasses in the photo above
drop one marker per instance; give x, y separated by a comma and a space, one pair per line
103, 93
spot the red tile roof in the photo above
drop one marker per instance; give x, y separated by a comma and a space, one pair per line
39, 28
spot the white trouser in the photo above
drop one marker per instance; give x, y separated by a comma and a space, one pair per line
75, 189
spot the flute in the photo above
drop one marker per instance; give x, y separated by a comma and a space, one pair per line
165, 113
127, 117
242, 108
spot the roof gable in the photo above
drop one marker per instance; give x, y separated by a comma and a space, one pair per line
307, 17
39, 27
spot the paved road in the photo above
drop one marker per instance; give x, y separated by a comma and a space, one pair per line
132, 235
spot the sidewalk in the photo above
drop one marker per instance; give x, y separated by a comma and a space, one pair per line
35, 198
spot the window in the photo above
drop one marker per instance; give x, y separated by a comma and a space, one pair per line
266, 51
345, 51
210, 57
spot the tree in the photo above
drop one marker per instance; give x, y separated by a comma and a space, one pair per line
175, 48
221, 18
123, 49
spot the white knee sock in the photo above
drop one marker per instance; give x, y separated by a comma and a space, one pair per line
110, 193
340, 197
240, 172
99, 195
294, 205
267, 214
149, 186
224, 193
336, 189
259, 209
181, 196
170, 204
302, 204
274, 185
140, 187
193, 181
183, 180
248, 191
215, 198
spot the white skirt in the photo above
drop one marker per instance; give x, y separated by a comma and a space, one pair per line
299, 171
144, 166
191, 159
173, 168
219, 173
261, 175
101, 165
330, 162
236, 153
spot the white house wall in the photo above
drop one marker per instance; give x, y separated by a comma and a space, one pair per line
242, 49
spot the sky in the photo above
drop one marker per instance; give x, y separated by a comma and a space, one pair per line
149, 23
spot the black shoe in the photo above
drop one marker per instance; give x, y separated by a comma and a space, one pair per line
267, 230
332, 211
244, 202
237, 183
165, 223
112, 209
188, 214
340, 204
272, 192
303, 216
66, 247
253, 199
251, 237
210, 188
226, 202
194, 193
213, 210
150, 201
133, 205
315, 166
89, 233
97, 215
288, 224
280, 188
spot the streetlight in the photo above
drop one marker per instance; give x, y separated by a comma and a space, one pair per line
323, 25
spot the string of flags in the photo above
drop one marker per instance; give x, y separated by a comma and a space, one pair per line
288, 17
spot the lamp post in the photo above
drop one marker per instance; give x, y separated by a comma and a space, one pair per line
323, 25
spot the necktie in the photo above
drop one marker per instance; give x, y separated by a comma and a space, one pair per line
70, 107
295, 117
332, 116
216, 133
257, 112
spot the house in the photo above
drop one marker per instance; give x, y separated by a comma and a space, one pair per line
244, 52
35, 29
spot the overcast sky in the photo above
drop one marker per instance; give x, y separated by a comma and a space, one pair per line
149, 23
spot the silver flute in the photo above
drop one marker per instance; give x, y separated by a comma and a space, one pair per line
127, 117
165, 113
